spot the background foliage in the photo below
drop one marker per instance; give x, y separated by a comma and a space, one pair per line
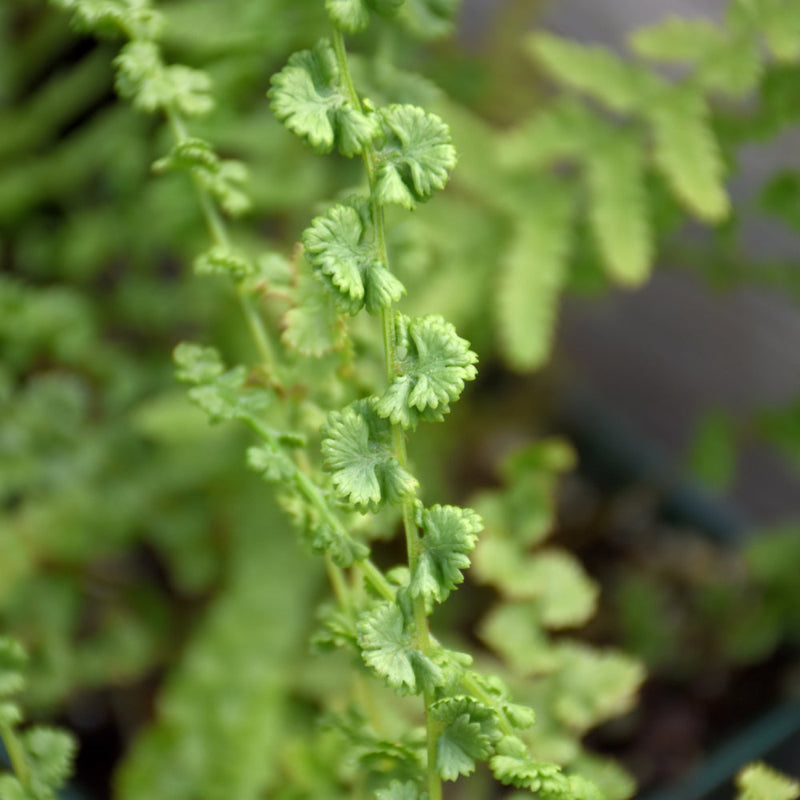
134, 560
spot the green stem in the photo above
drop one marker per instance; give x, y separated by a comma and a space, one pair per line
220, 236
398, 436
339, 585
314, 495
16, 753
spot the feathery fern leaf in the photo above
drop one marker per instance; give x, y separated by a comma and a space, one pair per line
596, 71
618, 207
533, 273
687, 152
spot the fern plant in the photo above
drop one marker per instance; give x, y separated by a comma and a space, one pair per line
331, 395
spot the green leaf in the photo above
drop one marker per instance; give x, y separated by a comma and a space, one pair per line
449, 535
357, 449
224, 261
149, 84
618, 207
309, 97
348, 262
222, 716
50, 753
566, 129
353, 15
349, 15
677, 39
760, 782
221, 395
136, 19
533, 272
609, 780
10, 714
591, 687
311, 327
433, 363
387, 645
565, 595
399, 791
470, 728
197, 364
596, 71
416, 155
780, 197
271, 462
12, 660
687, 152
780, 22
429, 19
342, 548
336, 630
513, 632
222, 178
513, 766
722, 60
562, 594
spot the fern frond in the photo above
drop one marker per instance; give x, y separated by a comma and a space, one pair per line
595, 71
618, 207
687, 152
533, 273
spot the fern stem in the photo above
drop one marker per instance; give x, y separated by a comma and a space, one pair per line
339, 585
16, 754
398, 436
220, 236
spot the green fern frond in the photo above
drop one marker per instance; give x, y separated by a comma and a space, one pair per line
596, 71
618, 207
533, 272
687, 152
